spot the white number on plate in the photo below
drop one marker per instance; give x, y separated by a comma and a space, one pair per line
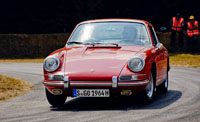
91, 93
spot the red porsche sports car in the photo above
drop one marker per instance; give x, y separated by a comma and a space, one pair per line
107, 57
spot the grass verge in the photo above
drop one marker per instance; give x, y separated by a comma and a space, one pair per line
36, 60
185, 60
11, 87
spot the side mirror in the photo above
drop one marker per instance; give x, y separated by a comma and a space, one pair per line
159, 46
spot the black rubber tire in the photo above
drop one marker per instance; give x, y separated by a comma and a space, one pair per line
147, 99
163, 88
55, 100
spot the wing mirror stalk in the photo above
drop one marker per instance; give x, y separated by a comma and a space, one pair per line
159, 46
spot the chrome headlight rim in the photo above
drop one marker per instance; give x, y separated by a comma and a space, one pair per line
50, 70
136, 70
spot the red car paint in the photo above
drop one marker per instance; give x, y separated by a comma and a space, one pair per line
93, 64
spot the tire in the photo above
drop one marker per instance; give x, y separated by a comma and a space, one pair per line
55, 100
149, 93
163, 88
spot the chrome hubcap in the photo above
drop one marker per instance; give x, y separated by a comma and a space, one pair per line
149, 89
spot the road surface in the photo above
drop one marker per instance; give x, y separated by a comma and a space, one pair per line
181, 103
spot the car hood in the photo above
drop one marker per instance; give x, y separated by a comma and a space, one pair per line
97, 63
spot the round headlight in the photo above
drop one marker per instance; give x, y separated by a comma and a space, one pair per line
136, 64
51, 63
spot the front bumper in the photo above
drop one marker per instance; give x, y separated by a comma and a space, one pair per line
115, 86
95, 83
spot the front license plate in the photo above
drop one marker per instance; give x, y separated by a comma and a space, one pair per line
91, 93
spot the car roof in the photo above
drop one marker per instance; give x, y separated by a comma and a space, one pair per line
115, 20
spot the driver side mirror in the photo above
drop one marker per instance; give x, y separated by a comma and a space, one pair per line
159, 46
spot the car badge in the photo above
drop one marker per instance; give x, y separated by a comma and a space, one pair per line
91, 70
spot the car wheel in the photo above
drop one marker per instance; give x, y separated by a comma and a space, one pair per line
149, 92
55, 100
163, 88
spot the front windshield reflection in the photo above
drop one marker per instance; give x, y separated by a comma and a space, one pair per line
122, 33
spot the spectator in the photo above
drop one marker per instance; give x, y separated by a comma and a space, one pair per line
177, 24
193, 34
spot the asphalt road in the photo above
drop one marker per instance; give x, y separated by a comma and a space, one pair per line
181, 103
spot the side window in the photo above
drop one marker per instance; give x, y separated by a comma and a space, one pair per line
154, 37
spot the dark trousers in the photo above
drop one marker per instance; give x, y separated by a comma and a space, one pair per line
173, 38
192, 45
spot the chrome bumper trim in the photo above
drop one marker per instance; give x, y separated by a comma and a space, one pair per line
130, 77
114, 82
96, 84
53, 84
133, 84
66, 82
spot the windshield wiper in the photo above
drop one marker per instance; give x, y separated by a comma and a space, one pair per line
74, 42
93, 44
106, 43
99, 43
113, 44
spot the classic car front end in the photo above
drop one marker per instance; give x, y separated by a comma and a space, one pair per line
107, 57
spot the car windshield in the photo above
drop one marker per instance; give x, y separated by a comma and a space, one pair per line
121, 33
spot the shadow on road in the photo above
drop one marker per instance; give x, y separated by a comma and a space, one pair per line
119, 103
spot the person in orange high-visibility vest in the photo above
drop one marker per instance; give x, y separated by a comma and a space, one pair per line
192, 33
177, 24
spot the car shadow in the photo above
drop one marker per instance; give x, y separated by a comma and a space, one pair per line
119, 103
